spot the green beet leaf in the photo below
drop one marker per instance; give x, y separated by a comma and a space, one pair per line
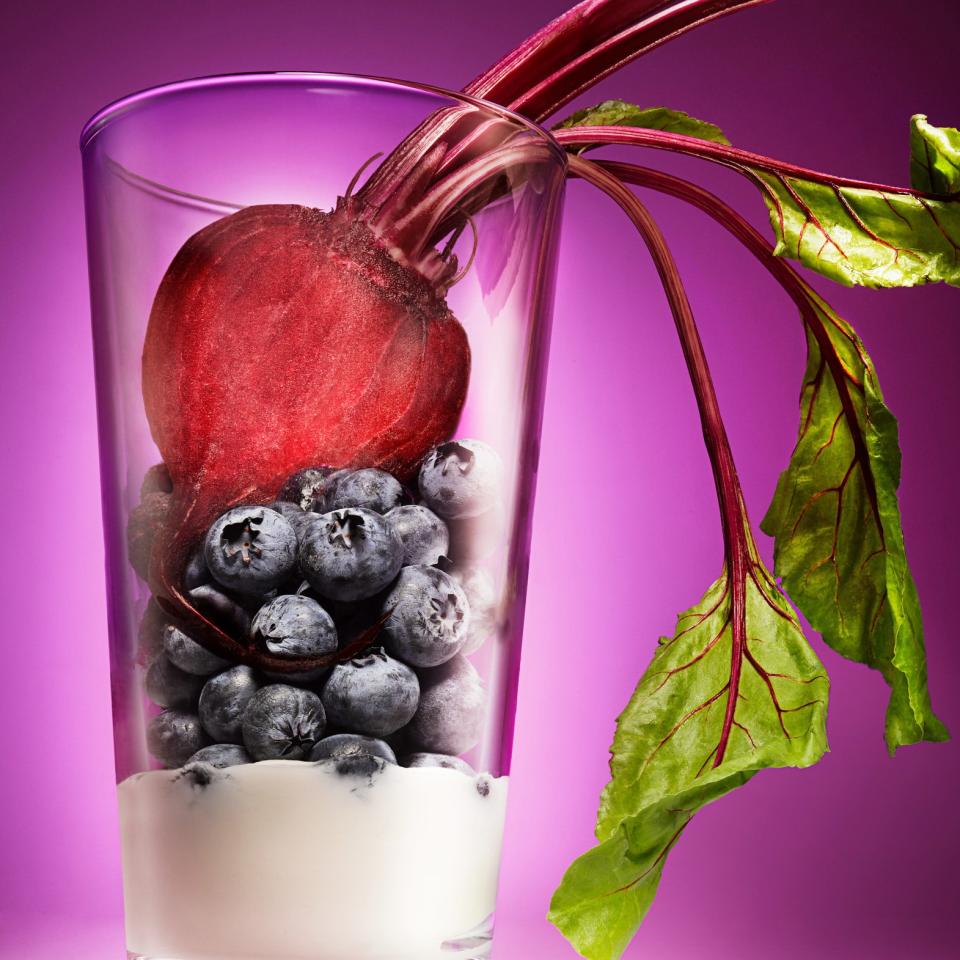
873, 238
619, 113
708, 714
934, 157
839, 544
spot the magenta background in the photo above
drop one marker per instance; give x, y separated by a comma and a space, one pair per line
855, 858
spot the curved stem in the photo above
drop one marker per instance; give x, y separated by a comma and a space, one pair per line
550, 68
740, 160
738, 543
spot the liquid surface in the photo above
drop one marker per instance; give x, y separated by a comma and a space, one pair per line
296, 861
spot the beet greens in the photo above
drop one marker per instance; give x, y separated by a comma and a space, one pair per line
737, 687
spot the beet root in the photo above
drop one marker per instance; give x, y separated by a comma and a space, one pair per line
283, 337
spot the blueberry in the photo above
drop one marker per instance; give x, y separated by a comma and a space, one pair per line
309, 488
481, 594
294, 626
185, 653
436, 760
223, 701
299, 519
359, 765
144, 525
340, 746
429, 617
350, 554
150, 633
282, 723
473, 539
450, 716
373, 694
221, 755
221, 610
174, 737
195, 573
423, 534
460, 478
168, 685
251, 550
371, 489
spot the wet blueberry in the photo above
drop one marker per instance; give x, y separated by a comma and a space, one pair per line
429, 617
373, 694
437, 760
461, 478
174, 737
450, 716
294, 626
309, 488
168, 685
481, 594
371, 489
282, 723
223, 701
185, 653
221, 610
340, 746
222, 755
251, 550
350, 554
423, 534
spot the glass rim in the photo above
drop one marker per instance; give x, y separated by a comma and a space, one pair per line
116, 109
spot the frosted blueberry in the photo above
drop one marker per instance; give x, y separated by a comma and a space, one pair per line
282, 723
341, 746
251, 550
168, 685
223, 701
150, 633
184, 652
174, 736
450, 716
461, 478
294, 626
481, 595
220, 609
299, 519
371, 489
350, 554
221, 755
423, 534
195, 573
372, 694
437, 760
429, 617
308, 489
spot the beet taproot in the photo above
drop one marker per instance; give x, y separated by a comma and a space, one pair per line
283, 337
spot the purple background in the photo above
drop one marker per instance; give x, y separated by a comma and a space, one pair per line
855, 858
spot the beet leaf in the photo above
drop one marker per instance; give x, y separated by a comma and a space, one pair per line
934, 157
737, 688
851, 231
619, 113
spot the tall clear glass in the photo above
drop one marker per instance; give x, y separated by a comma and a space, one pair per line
317, 520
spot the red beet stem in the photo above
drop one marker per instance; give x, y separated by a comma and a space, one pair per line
739, 549
545, 72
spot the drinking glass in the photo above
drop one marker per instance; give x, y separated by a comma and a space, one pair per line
365, 852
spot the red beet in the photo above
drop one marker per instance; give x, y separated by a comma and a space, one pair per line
283, 337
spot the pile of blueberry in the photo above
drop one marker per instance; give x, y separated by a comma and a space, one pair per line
338, 553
